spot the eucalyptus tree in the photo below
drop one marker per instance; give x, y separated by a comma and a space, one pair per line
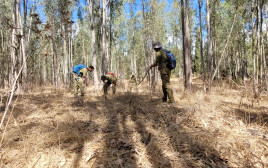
132, 40
91, 10
186, 45
201, 42
14, 47
6, 29
65, 14
209, 44
52, 28
105, 56
257, 42
120, 29
115, 11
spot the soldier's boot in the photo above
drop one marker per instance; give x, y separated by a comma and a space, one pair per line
75, 89
170, 95
82, 89
164, 98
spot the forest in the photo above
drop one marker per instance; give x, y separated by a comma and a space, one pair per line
219, 117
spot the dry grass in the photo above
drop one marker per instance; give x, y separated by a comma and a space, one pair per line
225, 128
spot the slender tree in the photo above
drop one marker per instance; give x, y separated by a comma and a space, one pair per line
93, 42
209, 44
201, 45
186, 45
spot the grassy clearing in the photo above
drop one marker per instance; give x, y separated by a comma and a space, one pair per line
225, 128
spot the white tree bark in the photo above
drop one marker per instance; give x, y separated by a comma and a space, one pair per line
103, 31
13, 47
65, 57
209, 44
22, 44
188, 69
93, 44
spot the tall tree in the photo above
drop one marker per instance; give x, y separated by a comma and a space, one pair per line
105, 56
93, 42
186, 45
209, 44
201, 44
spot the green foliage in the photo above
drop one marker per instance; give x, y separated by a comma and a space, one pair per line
132, 26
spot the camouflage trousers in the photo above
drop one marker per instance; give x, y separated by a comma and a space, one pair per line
78, 84
166, 87
133, 86
106, 87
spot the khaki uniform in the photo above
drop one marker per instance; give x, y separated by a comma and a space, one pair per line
110, 80
161, 62
78, 82
133, 83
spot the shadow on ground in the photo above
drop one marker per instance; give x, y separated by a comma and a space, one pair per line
119, 146
249, 114
141, 109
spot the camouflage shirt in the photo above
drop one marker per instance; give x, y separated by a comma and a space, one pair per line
161, 61
111, 78
132, 80
83, 72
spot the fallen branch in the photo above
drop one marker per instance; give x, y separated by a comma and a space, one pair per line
14, 89
11, 96
143, 77
36, 161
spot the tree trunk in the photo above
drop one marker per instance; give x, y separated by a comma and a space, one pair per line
261, 49
183, 38
264, 57
84, 51
135, 63
71, 57
65, 56
186, 45
188, 70
255, 78
55, 62
201, 46
23, 45
104, 43
178, 61
93, 45
209, 43
111, 39
245, 58
13, 46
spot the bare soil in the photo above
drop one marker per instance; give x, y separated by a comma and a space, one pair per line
51, 128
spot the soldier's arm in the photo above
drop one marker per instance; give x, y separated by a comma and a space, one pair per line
84, 73
157, 61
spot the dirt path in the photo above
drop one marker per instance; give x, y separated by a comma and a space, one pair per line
51, 129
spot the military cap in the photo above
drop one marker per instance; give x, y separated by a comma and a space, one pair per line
157, 44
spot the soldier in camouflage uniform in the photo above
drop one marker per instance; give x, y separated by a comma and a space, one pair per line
133, 82
108, 79
80, 80
161, 62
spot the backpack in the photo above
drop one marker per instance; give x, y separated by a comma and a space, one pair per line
113, 74
171, 60
77, 68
